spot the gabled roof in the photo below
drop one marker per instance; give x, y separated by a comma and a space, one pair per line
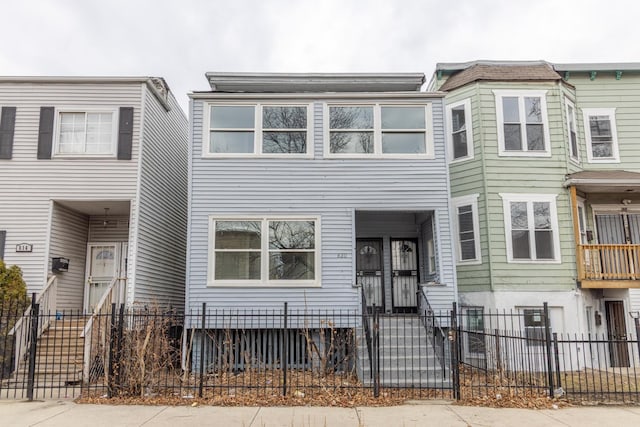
469, 72
314, 82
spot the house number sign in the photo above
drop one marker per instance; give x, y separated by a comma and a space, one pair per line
24, 247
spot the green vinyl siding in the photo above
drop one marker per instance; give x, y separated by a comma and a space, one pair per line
607, 92
490, 174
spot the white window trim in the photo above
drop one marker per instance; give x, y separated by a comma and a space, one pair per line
70, 109
568, 103
468, 123
507, 198
377, 132
611, 113
264, 281
456, 202
257, 130
521, 94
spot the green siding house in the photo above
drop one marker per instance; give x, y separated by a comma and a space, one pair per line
544, 164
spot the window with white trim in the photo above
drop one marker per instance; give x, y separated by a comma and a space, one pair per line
86, 133
531, 227
385, 130
264, 129
523, 127
459, 129
467, 229
264, 251
574, 152
475, 333
601, 135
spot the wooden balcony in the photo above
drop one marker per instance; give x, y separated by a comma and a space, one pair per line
609, 266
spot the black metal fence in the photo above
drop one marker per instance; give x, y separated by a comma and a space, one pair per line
258, 355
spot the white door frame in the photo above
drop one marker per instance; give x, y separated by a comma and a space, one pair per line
118, 265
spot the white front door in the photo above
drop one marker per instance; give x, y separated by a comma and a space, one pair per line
104, 263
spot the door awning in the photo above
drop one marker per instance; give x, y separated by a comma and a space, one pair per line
604, 181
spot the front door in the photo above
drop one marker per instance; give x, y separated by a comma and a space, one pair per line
104, 262
404, 275
369, 272
617, 333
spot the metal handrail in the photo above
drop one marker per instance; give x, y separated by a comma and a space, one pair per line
367, 329
112, 295
46, 300
432, 326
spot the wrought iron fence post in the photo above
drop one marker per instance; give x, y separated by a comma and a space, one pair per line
376, 352
118, 352
202, 342
285, 350
547, 341
454, 339
556, 355
496, 334
113, 334
33, 346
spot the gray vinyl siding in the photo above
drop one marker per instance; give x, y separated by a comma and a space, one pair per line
331, 189
69, 230
29, 184
116, 228
162, 224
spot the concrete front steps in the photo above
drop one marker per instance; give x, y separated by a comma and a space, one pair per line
59, 355
407, 356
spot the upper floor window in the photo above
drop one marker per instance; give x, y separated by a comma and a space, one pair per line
241, 130
523, 128
86, 133
370, 130
460, 130
601, 135
264, 251
531, 227
467, 229
573, 134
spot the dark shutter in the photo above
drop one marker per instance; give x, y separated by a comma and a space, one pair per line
7, 127
125, 133
3, 237
45, 134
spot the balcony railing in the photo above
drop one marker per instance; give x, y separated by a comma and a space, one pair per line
608, 262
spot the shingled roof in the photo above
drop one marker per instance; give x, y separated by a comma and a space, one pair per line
501, 72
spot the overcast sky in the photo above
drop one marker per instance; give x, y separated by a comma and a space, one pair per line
181, 40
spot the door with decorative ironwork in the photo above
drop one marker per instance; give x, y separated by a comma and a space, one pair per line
617, 333
404, 275
369, 271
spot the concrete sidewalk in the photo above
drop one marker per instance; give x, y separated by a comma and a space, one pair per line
68, 414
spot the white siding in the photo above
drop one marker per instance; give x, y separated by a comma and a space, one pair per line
69, 230
29, 184
329, 188
162, 224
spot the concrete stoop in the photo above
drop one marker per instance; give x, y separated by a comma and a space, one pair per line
407, 356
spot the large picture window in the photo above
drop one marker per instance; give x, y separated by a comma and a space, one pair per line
378, 130
263, 251
259, 129
83, 133
531, 227
523, 128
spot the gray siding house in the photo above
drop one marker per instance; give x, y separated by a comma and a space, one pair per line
306, 187
93, 172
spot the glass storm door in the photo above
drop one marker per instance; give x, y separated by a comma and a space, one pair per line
617, 331
102, 266
369, 271
404, 275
